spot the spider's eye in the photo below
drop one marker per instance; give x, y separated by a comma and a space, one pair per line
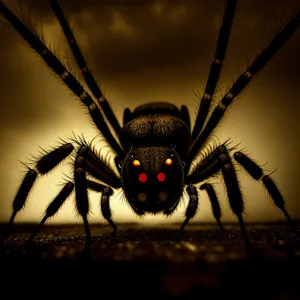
142, 177
168, 162
161, 177
136, 163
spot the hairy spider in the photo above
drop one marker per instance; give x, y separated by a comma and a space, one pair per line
156, 146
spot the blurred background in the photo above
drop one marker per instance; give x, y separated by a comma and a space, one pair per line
150, 51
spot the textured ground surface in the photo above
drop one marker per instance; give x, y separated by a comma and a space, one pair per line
151, 261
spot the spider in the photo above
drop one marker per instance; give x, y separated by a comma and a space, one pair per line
156, 147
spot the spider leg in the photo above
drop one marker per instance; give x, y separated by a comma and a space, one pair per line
54, 206
58, 201
105, 208
95, 186
96, 167
91, 82
81, 195
192, 206
257, 173
216, 209
107, 192
87, 162
234, 194
220, 160
215, 68
242, 81
58, 68
43, 166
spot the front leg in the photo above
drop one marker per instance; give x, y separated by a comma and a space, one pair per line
216, 209
105, 207
107, 192
220, 161
194, 201
192, 206
88, 162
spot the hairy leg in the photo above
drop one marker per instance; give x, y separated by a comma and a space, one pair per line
241, 82
89, 79
220, 161
192, 206
59, 200
105, 207
257, 173
54, 206
66, 76
216, 209
86, 161
45, 164
215, 68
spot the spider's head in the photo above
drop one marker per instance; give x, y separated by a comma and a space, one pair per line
152, 179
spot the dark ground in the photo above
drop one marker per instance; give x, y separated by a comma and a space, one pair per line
152, 261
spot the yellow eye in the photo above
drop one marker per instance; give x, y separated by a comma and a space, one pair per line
136, 163
168, 162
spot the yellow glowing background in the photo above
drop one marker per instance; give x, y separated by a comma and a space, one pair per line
151, 51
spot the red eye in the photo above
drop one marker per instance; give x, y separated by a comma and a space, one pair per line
142, 177
161, 177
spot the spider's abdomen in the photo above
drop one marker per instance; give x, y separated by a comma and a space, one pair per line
157, 127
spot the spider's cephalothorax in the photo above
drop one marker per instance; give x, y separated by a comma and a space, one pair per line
152, 173
156, 146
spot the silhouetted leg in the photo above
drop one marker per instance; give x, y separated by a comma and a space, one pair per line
105, 199
60, 199
89, 79
81, 186
214, 203
234, 195
216, 161
45, 164
105, 208
215, 68
107, 192
20, 199
241, 82
257, 173
67, 77
54, 206
97, 168
87, 162
95, 186
192, 206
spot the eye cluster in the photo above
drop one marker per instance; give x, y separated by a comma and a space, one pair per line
142, 177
